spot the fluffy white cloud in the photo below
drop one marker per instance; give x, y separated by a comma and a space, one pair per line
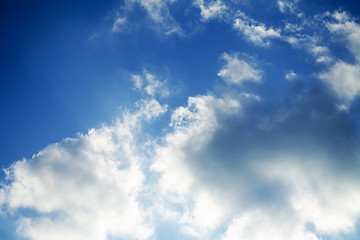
85, 187
344, 80
345, 26
342, 77
271, 194
254, 31
193, 127
318, 194
237, 71
96, 186
257, 225
210, 9
150, 84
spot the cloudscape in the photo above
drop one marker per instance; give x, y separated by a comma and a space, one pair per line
180, 119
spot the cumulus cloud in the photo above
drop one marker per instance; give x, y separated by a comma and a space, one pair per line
227, 166
346, 26
258, 225
255, 32
237, 71
85, 187
319, 194
210, 9
343, 77
216, 173
193, 127
260, 182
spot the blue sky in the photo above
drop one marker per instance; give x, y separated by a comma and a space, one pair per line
150, 119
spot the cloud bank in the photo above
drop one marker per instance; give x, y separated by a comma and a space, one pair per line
229, 164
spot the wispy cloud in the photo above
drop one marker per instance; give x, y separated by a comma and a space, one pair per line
287, 5
159, 12
149, 83
118, 22
254, 31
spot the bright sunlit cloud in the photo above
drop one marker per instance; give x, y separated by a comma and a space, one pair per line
219, 120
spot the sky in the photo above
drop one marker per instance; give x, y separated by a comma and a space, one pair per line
180, 119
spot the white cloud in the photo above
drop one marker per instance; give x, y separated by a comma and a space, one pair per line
311, 44
237, 71
193, 127
85, 187
157, 9
290, 75
96, 185
254, 31
211, 9
343, 78
150, 84
303, 189
159, 12
118, 22
319, 195
347, 27
287, 5
321, 53
313, 195
258, 225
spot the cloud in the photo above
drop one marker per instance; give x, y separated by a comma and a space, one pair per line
159, 12
227, 166
347, 27
299, 37
117, 24
237, 71
254, 31
150, 84
319, 194
210, 10
343, 77
193, 127
287, 5
258, 225
85, 187
290, 75
216, 173
280, 182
